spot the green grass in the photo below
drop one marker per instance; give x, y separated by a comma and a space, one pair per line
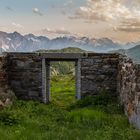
93, 118
63, 90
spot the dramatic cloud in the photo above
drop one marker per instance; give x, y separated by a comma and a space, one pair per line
121, 11
37, 11
61, 31
106, 10
17, 25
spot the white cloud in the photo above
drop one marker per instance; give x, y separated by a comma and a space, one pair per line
17, 25
61, 31
37, 11
105, 10
110, 11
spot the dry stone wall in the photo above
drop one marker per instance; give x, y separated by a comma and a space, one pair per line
3, 71
129, 89
25, 75
99, 73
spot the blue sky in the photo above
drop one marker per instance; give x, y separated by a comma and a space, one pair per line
115, 19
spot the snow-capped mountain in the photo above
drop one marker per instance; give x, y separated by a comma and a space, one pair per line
15, 42
130, 45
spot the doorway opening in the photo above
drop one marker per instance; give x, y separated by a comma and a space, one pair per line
61, 80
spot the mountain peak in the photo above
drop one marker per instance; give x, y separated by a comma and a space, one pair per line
30, 35
106, 39
30, 42
16, 33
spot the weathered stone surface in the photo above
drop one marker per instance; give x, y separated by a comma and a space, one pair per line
129, 89
98, 73
3, 71
25, 75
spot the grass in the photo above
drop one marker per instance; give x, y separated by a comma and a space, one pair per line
93, 118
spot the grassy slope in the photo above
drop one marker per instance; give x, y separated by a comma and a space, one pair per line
99, 118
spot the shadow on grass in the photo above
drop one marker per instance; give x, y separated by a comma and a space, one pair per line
104, 101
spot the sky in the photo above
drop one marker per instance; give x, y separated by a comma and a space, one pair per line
118, 20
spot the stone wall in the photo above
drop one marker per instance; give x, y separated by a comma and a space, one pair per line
126, 79
129, 89
25, 75
99, 73
3, 71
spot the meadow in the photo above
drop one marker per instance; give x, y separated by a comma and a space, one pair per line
93, 118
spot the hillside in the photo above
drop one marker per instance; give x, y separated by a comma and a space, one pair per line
134, 53
64, 50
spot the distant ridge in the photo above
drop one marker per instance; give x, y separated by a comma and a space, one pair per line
64, 50
133, 53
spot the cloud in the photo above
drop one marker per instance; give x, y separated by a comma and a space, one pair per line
17, 25
69, 2
108, 10
61, 31
123, 14
9, 8
2, 26
37, 11
63, 12
132, 25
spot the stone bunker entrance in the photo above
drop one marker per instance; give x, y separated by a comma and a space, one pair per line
46, 73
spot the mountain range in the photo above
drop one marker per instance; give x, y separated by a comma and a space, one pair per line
15, 42
133, 53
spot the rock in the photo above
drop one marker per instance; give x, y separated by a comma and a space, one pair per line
8, 103
1, 104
